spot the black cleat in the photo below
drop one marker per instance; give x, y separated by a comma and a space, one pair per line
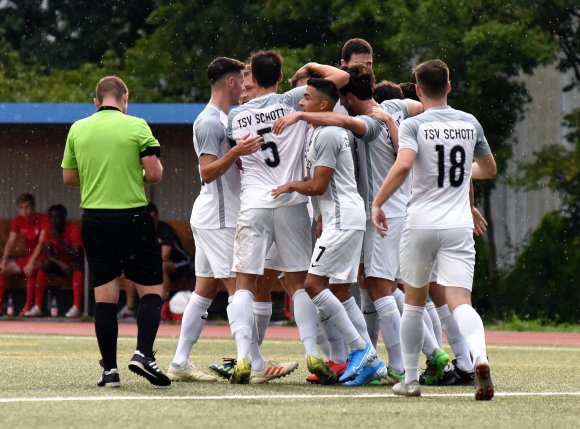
147, 367
462, 378
110, 379
447, 379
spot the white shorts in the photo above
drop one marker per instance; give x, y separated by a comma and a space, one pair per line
287, 227
336, 255
214, 251
381, 255
453, 249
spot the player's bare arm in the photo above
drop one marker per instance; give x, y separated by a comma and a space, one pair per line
315, 186
357, 126
414, 107
29, 267
212, 167
152, 169
484, 167
397, 175
338, 76
70, 176
381, 115
479, 222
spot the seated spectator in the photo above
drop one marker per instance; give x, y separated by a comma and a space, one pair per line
64, 254
177, 263
32, 227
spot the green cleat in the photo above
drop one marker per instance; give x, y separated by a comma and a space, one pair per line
242, 372
391, 378
324, 373
436, 367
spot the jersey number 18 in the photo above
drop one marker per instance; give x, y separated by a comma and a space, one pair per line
457, 170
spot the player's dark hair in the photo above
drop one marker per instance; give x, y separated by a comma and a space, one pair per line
110, 86
266, 68
387, 90
25, 198
409, 90
355, 46
325, 87
58, 209
361, 81
221, 67
433, 77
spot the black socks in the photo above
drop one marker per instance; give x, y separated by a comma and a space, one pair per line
148, 319
107, 331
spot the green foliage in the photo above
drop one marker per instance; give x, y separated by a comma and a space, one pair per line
544, 281
536, 325
64, 34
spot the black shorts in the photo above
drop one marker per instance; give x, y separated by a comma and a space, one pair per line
122, 241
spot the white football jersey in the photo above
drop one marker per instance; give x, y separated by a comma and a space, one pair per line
218, 202
341, 205
378, 156
446, 141
281, 158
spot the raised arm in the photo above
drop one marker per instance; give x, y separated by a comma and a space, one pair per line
338, 76
391, 124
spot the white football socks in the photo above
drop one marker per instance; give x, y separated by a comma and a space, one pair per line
322, 339
435, 322
455, 340
412, 327
330, 307
400, 298
471, 328
370, 314
306, 318
390, 326
241, 318
338, 348
192, 323
356, 317
262, 315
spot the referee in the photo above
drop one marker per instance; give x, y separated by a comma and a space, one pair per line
111, 155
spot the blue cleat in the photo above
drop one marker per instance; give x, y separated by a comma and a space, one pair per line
357, 359
368, 374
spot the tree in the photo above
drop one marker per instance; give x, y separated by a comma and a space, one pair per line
64, 34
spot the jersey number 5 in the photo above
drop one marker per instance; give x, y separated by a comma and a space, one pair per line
274, 161
457, 170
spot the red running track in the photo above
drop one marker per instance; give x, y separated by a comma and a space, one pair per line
273, 332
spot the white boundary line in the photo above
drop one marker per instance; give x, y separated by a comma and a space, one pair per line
264, 397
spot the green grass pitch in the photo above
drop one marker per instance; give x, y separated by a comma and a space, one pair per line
536, 387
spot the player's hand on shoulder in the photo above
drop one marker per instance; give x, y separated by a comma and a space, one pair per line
479, 222
379, 220
249, 144
378, 113
285, 121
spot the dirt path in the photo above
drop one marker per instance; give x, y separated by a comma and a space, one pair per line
273, 333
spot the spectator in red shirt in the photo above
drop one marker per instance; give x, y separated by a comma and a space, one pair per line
32, 227
64, 254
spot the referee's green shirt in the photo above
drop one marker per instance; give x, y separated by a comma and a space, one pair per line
106, 148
